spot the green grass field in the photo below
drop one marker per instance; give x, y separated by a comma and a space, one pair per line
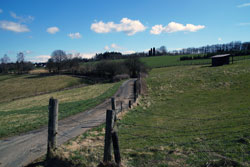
27, 114
191, 116
195, 116
16, 86
168, 61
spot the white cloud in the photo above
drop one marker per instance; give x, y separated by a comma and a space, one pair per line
244, 24
1, 11
87, 55
52, 30
114, 46
40, 58
175, 27
219, 39
128, 26
76, 35
243, 5
175, 49
12, 26
157, 29
26, 52
128, 52
106, 48
22, 19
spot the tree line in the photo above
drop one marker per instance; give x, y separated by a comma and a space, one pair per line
100, 66
19, 67
236, 47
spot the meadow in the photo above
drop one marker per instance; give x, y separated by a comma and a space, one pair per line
30, 113
190, 116
20, 86
168, 61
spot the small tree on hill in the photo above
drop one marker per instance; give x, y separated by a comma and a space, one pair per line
4, 63
58, 57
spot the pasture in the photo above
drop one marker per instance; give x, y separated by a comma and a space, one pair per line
190, 116
19, 86
30, 113
168, 61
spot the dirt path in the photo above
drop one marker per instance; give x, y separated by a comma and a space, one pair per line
21, 150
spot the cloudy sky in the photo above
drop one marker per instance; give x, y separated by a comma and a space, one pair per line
38, 27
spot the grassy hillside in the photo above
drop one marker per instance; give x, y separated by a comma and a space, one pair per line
191, 116
167, 61
30, 113
14, 86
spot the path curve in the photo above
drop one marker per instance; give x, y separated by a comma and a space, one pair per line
21, 150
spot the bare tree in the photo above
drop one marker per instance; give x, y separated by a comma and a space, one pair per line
20, 63
5, 59
162, 50
4, 63
58, 57
20, 57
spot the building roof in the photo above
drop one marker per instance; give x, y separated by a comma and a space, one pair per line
217, 56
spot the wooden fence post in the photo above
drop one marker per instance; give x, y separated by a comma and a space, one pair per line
52, 126
121, 106
108, 135
113, 103
116, 147
135, 91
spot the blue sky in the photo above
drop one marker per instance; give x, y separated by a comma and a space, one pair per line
38, 27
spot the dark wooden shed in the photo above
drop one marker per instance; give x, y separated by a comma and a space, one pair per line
220, 60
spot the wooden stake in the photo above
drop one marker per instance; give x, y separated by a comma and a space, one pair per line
116, 148
108, 130
52, 126
113, 103
121, 106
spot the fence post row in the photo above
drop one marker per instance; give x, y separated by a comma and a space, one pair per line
52, 126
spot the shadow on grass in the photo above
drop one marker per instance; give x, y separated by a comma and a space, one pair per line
55, 162
34, 76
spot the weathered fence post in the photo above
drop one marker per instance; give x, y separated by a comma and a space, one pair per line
129, 104
116, 147
135, 91
52, 126
140, 83
113, 103
121, 106
108, 135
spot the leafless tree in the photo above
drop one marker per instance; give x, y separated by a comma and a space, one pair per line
58, 57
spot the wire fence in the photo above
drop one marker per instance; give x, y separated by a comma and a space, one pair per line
227, 138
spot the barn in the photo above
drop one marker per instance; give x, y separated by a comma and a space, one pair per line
220, 60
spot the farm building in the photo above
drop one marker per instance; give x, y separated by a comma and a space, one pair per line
220, 60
